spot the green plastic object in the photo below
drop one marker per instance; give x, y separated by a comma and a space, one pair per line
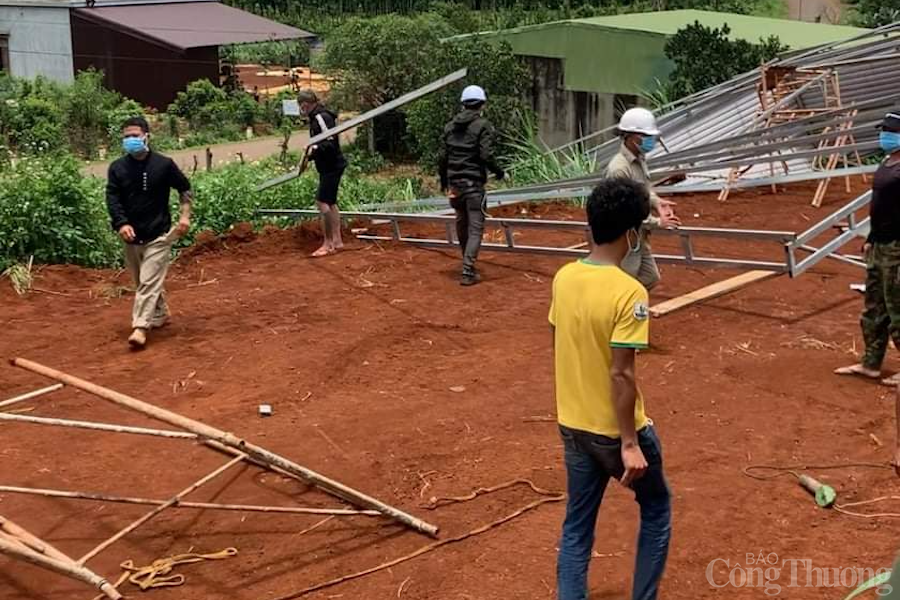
825, 496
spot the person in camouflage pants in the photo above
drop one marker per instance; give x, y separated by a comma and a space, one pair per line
881, 317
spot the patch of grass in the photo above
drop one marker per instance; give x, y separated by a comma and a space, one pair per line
20, 276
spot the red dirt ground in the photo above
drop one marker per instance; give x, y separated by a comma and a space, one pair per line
357, 353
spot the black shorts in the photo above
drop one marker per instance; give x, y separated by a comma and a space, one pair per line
328, 187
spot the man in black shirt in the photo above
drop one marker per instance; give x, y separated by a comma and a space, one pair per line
137, 196
330, 163
466, 157
881, 317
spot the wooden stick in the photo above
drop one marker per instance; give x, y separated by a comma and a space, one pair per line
711, 291
31, 540
31, 395
98, 426
67, 568
255, 452
170, 502
201, 505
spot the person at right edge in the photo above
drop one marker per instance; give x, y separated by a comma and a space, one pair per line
881, 317
599, 318
639, 132
466, 157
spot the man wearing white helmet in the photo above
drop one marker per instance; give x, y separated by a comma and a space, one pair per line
466, 157
639, 133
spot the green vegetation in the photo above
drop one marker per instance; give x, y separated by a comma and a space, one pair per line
290, 53
532, 162
467, 16
41, 116
378, 59
705, 57
875, 13
50, 211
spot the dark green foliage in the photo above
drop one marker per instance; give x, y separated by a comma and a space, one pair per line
705, 57
875, 13
49, 210
494, 68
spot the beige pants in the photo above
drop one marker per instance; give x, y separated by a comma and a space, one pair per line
148, 265
641, 265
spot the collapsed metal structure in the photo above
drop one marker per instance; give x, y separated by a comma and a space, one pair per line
809, 115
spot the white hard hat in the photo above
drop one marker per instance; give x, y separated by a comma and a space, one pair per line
638, 120
473, 93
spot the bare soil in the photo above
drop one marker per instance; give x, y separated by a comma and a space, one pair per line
358, 353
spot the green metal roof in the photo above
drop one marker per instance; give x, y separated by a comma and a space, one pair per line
624, 54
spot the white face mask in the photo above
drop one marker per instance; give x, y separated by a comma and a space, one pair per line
636, 246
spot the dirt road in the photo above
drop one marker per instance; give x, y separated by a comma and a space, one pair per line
255, 149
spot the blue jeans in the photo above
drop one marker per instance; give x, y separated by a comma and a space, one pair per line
591, 460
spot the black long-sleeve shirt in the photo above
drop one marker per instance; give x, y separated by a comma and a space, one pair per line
327, 155
137, 194
885, 207
467, 151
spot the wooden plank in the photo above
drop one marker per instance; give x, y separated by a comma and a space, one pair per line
714, 290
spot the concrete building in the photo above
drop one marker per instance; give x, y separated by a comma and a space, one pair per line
148, 50
585, 72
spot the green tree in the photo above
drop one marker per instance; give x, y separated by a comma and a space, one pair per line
494, 68
379, 59
705, 57
875, 13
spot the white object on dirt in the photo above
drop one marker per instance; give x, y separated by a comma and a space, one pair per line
858, 287
265, 410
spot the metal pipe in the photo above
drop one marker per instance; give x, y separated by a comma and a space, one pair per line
6, 489
98, 426
30, 395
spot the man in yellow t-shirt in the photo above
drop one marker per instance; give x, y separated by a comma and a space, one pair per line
600, 318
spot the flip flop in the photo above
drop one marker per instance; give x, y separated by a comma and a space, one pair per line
855, 370
892, 381
322, 252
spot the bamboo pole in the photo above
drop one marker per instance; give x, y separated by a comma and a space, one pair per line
200, 505
228, 439
67, 568
31, 395
31, 540
98, 426
170, 502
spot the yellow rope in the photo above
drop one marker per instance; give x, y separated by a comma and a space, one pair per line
157, 573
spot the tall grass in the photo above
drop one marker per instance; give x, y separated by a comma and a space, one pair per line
532, 161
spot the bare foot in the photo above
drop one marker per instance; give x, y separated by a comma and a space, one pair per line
323, 251
858, 370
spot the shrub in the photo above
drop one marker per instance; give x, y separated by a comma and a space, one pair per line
49, 210
496, 69
379, 59
705, 57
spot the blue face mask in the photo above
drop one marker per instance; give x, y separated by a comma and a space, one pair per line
889, 141
648, 143
134, 145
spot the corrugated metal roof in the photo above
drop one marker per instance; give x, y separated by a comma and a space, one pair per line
191, 24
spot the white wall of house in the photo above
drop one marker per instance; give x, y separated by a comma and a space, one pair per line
40, 41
